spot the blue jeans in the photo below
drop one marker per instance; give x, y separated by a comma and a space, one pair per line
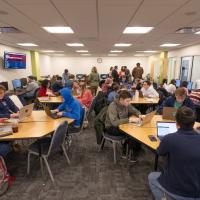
159, 192
5, 148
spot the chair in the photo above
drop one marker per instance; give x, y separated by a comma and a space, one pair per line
46, 146
16, 101
115, 140
79, 76
103, 76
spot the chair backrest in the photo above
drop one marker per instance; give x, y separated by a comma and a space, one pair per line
79, 76
82, 119
103, 76
16, 101
58, 138
35, 95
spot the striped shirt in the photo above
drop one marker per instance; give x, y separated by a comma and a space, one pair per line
195, 96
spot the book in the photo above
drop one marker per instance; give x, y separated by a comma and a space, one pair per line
5, 130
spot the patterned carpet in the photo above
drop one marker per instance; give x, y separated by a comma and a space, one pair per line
91, 175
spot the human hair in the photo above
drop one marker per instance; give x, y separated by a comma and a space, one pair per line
111, 68
116, 67
180, 92
115, 87
122, 69
2, 88
31, 77
101, 83
184, 84
185, 117
94, 70
147, 82
173, 81
137, 64
71, 76
66, 71
59, 78
45, 83
124, 94
83, 87
164, 81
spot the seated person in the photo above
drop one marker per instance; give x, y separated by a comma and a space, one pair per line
70, 108
184, 85
85, 97
148, 90
195, 96
69, 82
75, 88
114, 92
44, 89
101, 85
181, 176
178, 100
57, 86
7, 108
123, 81
120, 112
171, 88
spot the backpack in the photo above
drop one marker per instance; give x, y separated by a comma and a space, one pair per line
100, 101
5, 179
99, 124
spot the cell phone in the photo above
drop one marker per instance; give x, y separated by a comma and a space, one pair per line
152, 138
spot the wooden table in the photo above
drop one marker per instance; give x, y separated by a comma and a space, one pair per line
57, 99
36, 126
145, 101
141, 133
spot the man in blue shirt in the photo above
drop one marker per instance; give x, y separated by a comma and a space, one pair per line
180, 179
57, 86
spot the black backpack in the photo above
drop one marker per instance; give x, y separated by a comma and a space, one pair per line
100, 102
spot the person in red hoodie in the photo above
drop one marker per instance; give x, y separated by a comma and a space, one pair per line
85, 97
44, 88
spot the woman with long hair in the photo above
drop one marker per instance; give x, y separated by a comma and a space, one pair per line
94, 80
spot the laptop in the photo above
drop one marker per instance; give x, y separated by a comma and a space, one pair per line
148, 117
169, 113
165, 128
49, 113
25, 111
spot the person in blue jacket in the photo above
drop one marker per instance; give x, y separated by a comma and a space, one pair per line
179, 100
70, 108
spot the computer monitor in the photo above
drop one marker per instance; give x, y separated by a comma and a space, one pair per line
16, 84
165, 128
189, 85
5, 84
178, 83
23, 82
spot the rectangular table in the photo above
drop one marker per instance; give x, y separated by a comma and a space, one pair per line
36, 126
141, 133
145, 101
57, 99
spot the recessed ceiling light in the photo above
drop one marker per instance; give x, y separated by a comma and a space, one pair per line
169, 45
86, 54
122, 45
58, 54
58, 29
82, 51
140, 55
147, 51
27, 44
112, 54
137, 30
198, 32
116, 51
75, 44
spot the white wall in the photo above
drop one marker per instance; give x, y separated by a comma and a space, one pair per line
76, 65
10, 74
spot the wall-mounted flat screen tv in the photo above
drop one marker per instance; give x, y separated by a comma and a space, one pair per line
14, 60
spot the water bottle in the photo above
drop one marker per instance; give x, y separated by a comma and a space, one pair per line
136, 94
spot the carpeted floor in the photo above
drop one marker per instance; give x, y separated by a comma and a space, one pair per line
92, 175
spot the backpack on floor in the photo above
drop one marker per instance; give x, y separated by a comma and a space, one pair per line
4, 177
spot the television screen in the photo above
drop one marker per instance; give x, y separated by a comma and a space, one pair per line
178, 83
14, 60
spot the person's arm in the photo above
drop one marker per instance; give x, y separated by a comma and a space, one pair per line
154, 93
61, 107
74, 114
133, 111
4, 115
113, 116
164, 147
11, 106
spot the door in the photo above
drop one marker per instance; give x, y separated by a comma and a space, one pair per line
186, 68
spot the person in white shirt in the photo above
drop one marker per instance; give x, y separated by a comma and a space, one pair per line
171, 87
148, 90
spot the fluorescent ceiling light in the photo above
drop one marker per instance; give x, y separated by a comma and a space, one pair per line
86, 54
75, 44
137, 30
140, 55
123, 45
27, 44
148, 51
112, 54
169, 45
58, 29
51, 51
198, 32
116, 51
82, 51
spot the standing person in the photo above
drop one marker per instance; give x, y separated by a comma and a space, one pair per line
180, 179
127, 74
148, 90
122, 73
94, 80
110, 72
115, 75
65, 76
137, 71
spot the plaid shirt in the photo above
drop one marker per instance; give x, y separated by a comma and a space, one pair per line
7, 107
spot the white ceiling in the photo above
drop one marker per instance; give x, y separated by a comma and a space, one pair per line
99, 24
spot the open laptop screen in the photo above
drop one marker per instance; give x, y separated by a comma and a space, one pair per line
165, 128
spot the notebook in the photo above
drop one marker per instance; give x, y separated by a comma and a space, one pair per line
6, 130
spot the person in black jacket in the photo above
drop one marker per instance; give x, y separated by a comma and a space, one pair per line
7, 108
115, 75
181, 176
180, 99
